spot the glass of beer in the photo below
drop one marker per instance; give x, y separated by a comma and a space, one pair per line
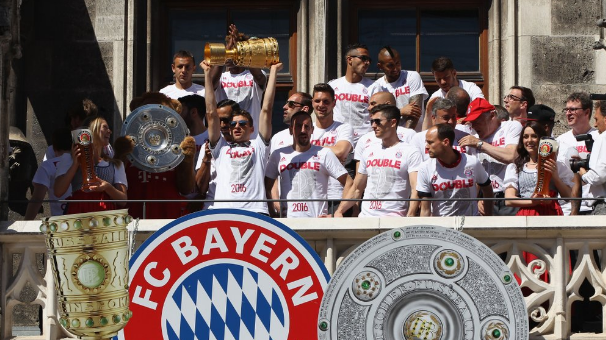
83, 138
548, 149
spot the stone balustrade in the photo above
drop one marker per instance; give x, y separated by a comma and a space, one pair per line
568, 304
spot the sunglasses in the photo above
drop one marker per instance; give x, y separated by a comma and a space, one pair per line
225, 120
242, 123
513, 98
292, 104
377, 121
364, 58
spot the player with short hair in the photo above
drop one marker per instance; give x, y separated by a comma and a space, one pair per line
303, 170
450, 174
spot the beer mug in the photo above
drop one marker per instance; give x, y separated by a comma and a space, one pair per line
89, 256
83, 138
548, 149
255, 53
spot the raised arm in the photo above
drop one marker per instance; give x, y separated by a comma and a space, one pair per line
268, 104
214, 128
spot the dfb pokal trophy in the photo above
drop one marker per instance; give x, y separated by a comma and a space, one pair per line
83, 139
254, 52
89, 256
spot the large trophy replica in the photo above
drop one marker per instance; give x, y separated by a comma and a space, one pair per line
253, 52
89, 257
83, 139
423, 282
157, 132
548, 149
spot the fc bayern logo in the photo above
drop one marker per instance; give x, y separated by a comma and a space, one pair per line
225, 274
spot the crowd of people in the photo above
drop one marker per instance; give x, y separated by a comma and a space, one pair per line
387, 142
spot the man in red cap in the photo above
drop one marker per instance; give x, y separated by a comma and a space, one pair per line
495, 143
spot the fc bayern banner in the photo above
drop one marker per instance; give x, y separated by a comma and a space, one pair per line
225, 274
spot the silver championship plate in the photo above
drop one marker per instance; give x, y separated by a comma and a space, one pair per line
157, 132
423, 282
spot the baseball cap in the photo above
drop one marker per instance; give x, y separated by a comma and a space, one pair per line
476, 108
541, 113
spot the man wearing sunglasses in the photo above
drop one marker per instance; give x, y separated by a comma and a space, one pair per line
241, 164
517, 102
406, 86
388, 170
351, 92
299, 101
303, 171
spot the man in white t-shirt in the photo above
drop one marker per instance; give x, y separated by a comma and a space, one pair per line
443, 111
329, 133
184, 66
595, 174
206, 172
299, 101
446, 76
351, 92
517, 102
304, 170
450, 175
405, 134
495, 146
241, 163
406, 86
578, 112
387, 171
243, 85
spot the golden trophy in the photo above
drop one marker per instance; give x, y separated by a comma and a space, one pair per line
254, 52
83, 138
548, 149
89, 256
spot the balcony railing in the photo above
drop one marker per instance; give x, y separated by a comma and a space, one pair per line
570, 305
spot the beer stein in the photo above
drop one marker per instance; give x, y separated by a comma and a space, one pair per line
89, 256
255, 53
548, 149
83, 138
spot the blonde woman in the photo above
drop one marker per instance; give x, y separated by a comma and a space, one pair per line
113, 183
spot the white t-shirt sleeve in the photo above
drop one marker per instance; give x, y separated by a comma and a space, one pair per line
216, 150
512, 134
415, 159
64, 165
333, 166
272, 171
416, 85
565, 174
362, 166
511, 177
42, 176
120, 175
345, 132
424, 179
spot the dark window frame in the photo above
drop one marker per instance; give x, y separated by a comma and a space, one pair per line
480, 78
160, 63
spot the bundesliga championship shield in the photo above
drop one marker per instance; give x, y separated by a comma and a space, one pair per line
423, 282
225, 274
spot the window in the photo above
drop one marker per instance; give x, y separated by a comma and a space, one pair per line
189, 25
422, 32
